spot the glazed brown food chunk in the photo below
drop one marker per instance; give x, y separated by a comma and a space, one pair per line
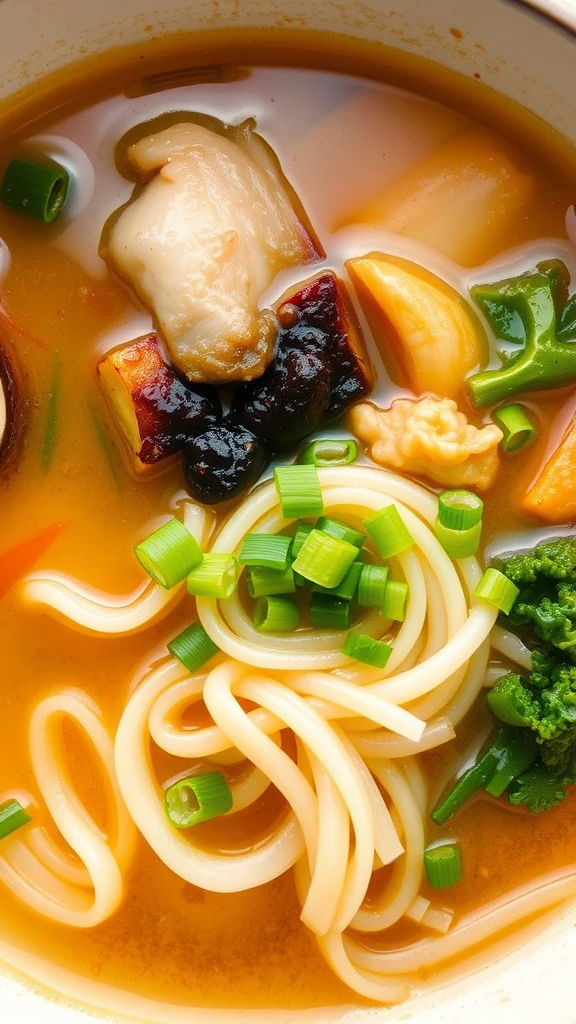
156, 410
204, 240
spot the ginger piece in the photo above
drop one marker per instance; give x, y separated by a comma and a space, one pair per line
428, 337
431, 438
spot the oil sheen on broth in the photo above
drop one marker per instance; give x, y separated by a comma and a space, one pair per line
339, 139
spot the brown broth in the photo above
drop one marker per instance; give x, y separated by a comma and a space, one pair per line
171, 941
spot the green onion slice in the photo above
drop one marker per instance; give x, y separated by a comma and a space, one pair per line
260, 581
372, 586
395, 597
303, 530
38, 190
299, 491
324, 559
516, 425
389, 532
363, 648
496, 588
269, 550
341, 530
198, 798
216, 576
193, 647
327, 612
443, 865
459, 510
458, 543
326, 452
169, 554
276, 615
347, 588
12, 817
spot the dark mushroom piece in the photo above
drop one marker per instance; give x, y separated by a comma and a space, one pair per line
223, 462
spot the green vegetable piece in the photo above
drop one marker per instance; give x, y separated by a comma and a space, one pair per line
38, 190
197, 798
516, 425
546, 578
276, 614
520, 752
193, 647
511, 701
544, 362
443, 865
326, 452
12, 817
476, 778
538, 790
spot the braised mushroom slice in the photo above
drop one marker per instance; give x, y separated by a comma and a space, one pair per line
224, 462
156, 410
319, 317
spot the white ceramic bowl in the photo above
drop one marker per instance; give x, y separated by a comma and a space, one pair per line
529, 54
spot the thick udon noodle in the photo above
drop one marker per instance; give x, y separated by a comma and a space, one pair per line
339, 740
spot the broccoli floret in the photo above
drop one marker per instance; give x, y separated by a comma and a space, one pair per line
546, 579
555, 560
545, 361
544, 702
538, 789
512, 702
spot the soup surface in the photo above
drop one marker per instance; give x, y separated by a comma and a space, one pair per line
341, 141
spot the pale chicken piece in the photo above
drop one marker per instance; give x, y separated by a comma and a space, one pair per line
431, 438
202, 242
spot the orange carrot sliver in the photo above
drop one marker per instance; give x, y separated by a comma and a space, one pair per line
553, 496
19, 560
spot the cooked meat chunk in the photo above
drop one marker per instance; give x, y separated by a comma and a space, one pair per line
203, 241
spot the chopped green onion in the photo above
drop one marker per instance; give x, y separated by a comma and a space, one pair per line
106, 445
300, 581
388, 531
169, 554
395, 598
303, 530
269, 550
443, 865
299, 491
347, 588
516, 425
261, 582
458, 543
198, 798
193, 647
326, 452
328, 612
372, 585
38, 190
216, 576
49, 442
363, 648
12, 817
459, 510
324, 559
521, 752
341, 530
276, 615
496, 588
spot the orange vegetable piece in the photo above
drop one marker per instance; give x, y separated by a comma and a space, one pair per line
19, 560
553, 496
